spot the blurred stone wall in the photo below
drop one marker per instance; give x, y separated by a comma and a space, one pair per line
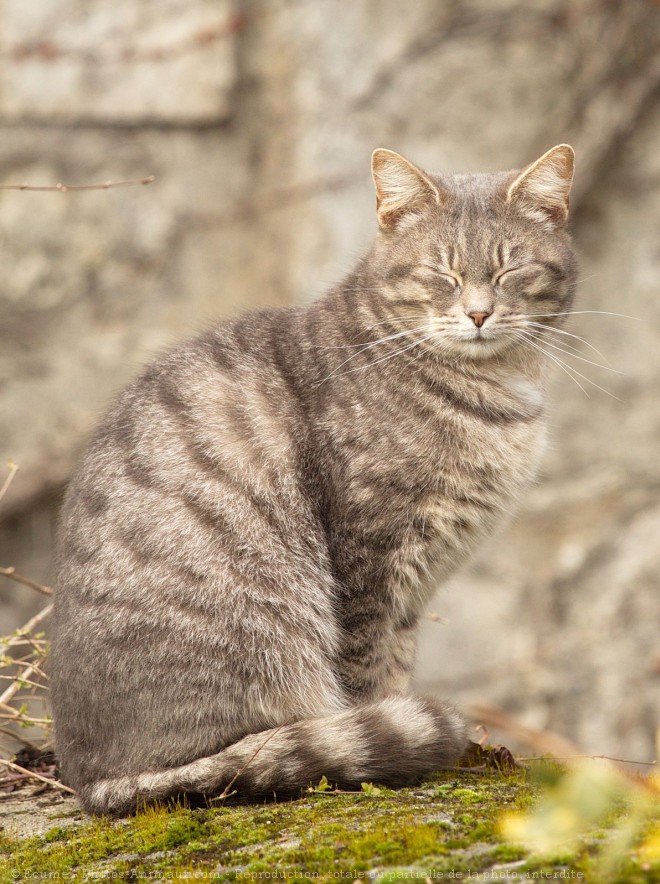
258, 120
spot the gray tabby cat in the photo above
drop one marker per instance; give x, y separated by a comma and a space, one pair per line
259, 521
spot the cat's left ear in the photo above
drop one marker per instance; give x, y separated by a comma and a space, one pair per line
542, 189
402, 190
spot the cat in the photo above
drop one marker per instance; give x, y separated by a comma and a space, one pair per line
249, 543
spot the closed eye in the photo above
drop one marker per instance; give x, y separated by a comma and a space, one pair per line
510, 271
443, 274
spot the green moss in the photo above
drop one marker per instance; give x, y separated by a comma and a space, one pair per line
446, 827
468, 796
56, 834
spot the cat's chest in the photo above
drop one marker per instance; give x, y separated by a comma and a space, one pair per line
485, 446
463, 475
474, 481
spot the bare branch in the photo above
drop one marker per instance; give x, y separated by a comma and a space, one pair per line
30, 773
29, 626
23, 718
64, 188
16, 736
25, 681
12, 575
16, 684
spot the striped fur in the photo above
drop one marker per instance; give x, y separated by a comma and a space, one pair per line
426, 734
249, 543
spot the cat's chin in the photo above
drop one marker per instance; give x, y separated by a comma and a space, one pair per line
477, 348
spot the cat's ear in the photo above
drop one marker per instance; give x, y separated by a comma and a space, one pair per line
402, 190
542, 189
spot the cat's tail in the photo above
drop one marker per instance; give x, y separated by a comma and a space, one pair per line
395, 742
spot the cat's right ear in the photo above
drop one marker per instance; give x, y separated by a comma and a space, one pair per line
542, 189
402, 190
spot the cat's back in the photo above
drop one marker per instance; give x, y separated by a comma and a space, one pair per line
205, 428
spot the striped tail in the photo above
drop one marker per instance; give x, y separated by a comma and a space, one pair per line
396, 742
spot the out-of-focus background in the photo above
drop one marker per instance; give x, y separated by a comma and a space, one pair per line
258, 120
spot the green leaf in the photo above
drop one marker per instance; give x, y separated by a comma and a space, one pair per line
323, 786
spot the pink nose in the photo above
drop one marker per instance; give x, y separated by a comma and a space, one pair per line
478, 318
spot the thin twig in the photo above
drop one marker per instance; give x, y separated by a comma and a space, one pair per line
36, 776
24, 680
24, 661
17, 715
38, 645
10, 709
20, 738
226, 793
13, 469
16, 686
63, 188
20, 637
573, 757
39, 671
12, 574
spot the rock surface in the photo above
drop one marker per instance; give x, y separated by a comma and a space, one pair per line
258, 128
448, 828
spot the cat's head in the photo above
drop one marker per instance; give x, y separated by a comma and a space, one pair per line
478, 259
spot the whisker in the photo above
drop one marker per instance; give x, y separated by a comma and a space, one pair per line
570, 348
582, 279
536, 333
369, 344
376, 361
562, 331
577, 312
367, 347
569, 369
394, 319
582, 358
392, 355
522, 336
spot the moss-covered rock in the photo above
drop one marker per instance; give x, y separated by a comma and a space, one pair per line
448, 828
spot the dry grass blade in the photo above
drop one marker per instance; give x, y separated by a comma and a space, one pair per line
540, 741
437, 618
13, 469
226, 793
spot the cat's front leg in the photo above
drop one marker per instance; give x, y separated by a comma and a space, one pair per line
401, 657
377, 653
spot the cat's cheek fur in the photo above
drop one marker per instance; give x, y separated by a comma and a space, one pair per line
249, 543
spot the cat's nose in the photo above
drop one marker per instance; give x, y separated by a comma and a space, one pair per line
479, 317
